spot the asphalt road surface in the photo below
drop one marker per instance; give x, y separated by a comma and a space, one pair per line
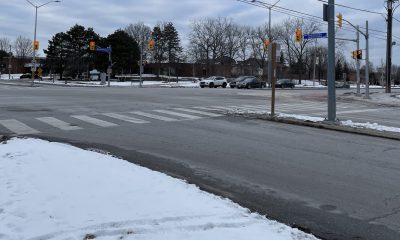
333, 184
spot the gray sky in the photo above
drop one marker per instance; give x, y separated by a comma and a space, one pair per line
106, 16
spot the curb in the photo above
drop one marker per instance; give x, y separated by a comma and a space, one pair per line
325, 125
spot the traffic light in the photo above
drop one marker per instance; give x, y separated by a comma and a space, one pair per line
36, 45
339, 20
92, 45
266, 43
299, 35
357, 54
152, 44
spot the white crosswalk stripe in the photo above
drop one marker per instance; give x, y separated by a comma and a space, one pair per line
154, 116
198, 112
57, 123
94, 121
125, 118
18, 127
183, 115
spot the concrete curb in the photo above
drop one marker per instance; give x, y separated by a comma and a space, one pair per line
324, 125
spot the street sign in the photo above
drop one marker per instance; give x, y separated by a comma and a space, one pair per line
104, 50
32, 65
315, 35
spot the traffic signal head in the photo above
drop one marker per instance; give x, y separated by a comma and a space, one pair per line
339, 20
299, 35
36, 45
266, 43
152, 44
359, 54
92, 45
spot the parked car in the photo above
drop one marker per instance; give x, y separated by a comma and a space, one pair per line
251, 82
28, 76
284, 83
214, 82
234, 83
342, 85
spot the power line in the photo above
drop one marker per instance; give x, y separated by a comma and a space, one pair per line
353, 8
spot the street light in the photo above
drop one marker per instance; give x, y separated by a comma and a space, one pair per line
270, 40
34, 38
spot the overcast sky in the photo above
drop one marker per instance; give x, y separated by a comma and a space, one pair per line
105, 16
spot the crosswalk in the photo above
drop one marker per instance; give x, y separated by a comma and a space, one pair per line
109, 120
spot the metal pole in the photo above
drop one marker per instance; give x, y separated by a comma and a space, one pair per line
358, 63
331, 62
34, 51
273, 57
9, 64
315, 60
269, 51
389, 46
110, 66
141, 58
367, 62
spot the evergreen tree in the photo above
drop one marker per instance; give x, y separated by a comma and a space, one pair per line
172, 42
125, 52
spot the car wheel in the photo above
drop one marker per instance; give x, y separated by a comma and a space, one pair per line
232, 86
248, 86
202, 86
211, 85
224, 85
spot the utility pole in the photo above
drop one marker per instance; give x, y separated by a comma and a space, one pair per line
367, 61
358, 62
389, 45
331, 62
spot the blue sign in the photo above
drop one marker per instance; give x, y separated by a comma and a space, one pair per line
104, 50
315, 35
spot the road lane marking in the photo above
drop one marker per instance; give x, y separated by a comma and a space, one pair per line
57, 123
198, 112
125, 118
154, 116
94, 121
18, 127
359, 111
183, 115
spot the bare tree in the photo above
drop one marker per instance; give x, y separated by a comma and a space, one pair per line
141, 33
23, 47
296, 51
5, 44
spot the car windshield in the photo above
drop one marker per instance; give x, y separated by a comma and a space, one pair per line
241, 78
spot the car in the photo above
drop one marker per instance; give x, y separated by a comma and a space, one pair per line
28, 76
284, 83
342, 85
214, 82
234, 83
251, 82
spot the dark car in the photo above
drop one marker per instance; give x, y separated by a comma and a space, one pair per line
28, 76
284, 83
251, 82
234, 83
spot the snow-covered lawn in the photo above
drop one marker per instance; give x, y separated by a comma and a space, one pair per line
56, 191
181, 84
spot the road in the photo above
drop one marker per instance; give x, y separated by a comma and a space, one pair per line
333, 184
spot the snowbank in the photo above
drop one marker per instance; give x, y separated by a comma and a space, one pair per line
56, 191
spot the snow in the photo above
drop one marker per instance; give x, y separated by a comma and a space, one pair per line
373, 126
56, 191
301, 117
180, 84
309, 84
13, 76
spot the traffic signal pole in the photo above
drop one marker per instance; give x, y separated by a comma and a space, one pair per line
331, 62
389, 47
358, 63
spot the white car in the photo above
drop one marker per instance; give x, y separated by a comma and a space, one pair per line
214, 82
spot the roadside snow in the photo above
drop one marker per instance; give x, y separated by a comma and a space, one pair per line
180, 84
368, 125
301, 117
13, 76
56, 191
